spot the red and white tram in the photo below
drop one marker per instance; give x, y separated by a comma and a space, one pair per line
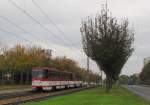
45, 78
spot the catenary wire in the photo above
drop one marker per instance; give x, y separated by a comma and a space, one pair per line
35, 20
22, 29
53, 23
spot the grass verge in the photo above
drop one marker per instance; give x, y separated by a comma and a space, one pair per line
95, 96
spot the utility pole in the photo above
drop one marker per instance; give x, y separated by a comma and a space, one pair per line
88, 63
88, 69
101, 78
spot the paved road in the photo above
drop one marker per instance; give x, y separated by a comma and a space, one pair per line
142, 91
14, 90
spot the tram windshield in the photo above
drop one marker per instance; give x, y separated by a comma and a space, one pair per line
39, 74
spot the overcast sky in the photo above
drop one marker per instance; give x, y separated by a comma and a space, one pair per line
67, 15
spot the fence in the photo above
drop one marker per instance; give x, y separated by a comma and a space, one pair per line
15, 77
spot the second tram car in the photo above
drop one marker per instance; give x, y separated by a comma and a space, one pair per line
45, 78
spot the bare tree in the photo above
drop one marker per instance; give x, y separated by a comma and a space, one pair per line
108, 42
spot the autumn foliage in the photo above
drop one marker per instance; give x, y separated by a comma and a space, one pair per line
21, 58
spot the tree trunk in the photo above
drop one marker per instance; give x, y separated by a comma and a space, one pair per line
21, 78
2, 78
109, 83
12, 79
27, 77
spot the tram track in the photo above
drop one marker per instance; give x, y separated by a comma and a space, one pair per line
32, 96
12, 95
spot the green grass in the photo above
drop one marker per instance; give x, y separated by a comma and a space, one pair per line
95, 96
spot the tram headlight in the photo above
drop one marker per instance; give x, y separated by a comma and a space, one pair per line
36, 83
45, 83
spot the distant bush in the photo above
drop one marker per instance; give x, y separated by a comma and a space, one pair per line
145, 74
123, 79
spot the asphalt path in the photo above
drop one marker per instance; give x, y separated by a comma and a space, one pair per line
142, 91
14, 91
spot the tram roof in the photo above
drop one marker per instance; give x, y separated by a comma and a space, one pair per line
49, 68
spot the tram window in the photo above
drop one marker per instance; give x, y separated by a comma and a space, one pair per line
57, 75
61, 76
45, 74
68, 76
71, 77
53, 75
37, 74
64, 76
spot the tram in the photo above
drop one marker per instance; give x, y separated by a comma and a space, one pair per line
47, 78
